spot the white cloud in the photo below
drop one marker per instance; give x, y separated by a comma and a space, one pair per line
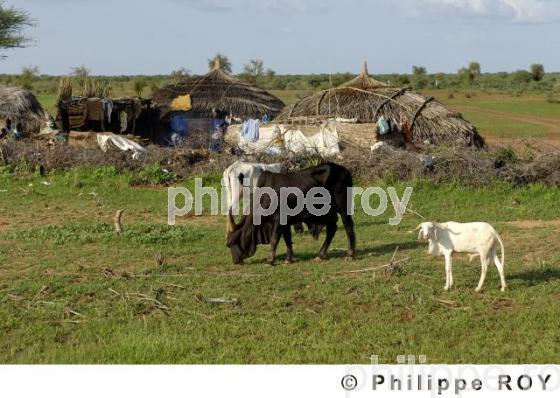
529, 11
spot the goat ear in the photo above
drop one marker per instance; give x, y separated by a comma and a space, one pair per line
419, 234
435, 233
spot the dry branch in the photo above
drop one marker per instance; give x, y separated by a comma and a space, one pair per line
222, 300
118, 226
391, 264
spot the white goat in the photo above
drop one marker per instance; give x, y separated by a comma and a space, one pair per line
477, 239
238, 171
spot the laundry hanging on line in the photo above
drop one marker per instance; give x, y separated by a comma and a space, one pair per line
250, 130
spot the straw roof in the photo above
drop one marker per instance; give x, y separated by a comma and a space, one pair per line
21, 106
367, 99
219, 90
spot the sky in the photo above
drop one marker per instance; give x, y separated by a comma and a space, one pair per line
130, 37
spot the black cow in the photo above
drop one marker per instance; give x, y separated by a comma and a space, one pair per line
243, 238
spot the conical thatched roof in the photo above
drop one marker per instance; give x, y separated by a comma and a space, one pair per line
221, 91
21, 106
367, 99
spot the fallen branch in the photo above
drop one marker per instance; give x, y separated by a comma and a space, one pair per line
174, 285
391, 264
118, 226
451, 304
416, 213
222, 300
44, 291
69, 311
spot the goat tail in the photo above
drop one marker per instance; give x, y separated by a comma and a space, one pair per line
503, 250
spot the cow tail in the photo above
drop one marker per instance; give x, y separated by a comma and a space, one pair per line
503, 251
227, 185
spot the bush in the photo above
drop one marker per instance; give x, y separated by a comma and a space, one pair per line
504, 156
554, 95
163, 166
154, 175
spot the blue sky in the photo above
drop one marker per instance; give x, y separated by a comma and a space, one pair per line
291, 36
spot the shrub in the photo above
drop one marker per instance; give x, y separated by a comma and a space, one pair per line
154, 175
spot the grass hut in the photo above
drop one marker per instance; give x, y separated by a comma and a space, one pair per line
21, 106
196, 97
365, 100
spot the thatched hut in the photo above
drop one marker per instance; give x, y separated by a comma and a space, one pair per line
365, 100
196, 97
21, 106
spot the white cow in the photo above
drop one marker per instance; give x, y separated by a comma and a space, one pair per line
477, 239
238, 171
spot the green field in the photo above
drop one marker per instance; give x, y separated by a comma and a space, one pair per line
73, 292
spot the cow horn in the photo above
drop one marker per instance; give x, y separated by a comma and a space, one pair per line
230, 222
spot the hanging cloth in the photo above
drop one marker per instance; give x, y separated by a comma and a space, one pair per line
250, 130
181, 103
123, 118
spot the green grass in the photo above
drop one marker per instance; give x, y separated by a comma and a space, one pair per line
506, 116
502, 126
290, 96
527, 105
48, 101
57, 244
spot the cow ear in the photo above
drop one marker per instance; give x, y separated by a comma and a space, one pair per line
233, 238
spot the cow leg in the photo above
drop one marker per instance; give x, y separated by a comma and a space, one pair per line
500, 267
448, 274
275, 238
331, 231
349, 227
287, 233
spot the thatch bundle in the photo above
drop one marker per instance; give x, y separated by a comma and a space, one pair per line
21, 106
65, 88
367, 99
219, 90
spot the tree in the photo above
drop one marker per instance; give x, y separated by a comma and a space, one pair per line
419, 80
12, 23
80, 73
255, 68
474, 68
179, 74
418, 70
439, 79
470, 73
403, 80
537, 72
28, 77
521, 77
220, 60
139, 85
